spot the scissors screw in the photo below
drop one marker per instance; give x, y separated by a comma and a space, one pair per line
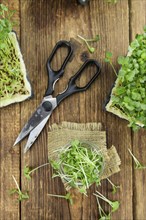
47, 106
84, 56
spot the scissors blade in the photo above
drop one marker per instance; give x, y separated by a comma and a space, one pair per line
35, 133
37, 117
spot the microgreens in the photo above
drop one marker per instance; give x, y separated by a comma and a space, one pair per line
114, 204
95, 39
114, 190
112, 1
103, 215
21, 195
27, 170
108, 59
6, 23
129, 94
138, 165
67, 197
11, 77
78, 165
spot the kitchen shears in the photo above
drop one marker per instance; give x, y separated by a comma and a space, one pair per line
39, 118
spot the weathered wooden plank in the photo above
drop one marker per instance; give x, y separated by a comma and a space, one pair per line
43, 23
137, 22
37, 25
114, 27
9, 157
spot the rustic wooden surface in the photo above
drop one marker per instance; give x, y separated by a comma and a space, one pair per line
42, 24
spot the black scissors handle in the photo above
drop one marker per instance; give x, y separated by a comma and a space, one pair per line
72, 87
55, 75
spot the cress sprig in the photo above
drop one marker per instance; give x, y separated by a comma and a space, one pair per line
138, 165
21, 195
28, 171
66, 197
87, 41
114, 206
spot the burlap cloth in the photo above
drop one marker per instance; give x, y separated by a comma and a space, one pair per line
62, 134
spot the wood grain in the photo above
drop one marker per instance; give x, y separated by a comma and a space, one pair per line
9, 157
62, 20
116, 24
42, 24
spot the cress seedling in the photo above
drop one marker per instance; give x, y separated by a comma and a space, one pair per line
95, 39
108, 59
67, 197
114, 187
27, 170
21, 195
114, 205
103, 215
138, 165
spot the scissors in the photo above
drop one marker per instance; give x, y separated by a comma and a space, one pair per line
39, 118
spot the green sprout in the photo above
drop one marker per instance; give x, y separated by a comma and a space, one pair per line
95, 39
129, 94
6, 24
114, 187
114, 204
27, 170
108, 59
112, 1
21, 195
78, 165
67, 197
138, 165
103, 215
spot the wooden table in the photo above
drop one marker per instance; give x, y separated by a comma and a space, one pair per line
42, 24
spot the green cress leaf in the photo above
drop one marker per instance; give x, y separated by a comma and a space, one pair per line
115, 206
121, 60
23, 196
26, 172
3, 7
108, 55
129, 96
91, 49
